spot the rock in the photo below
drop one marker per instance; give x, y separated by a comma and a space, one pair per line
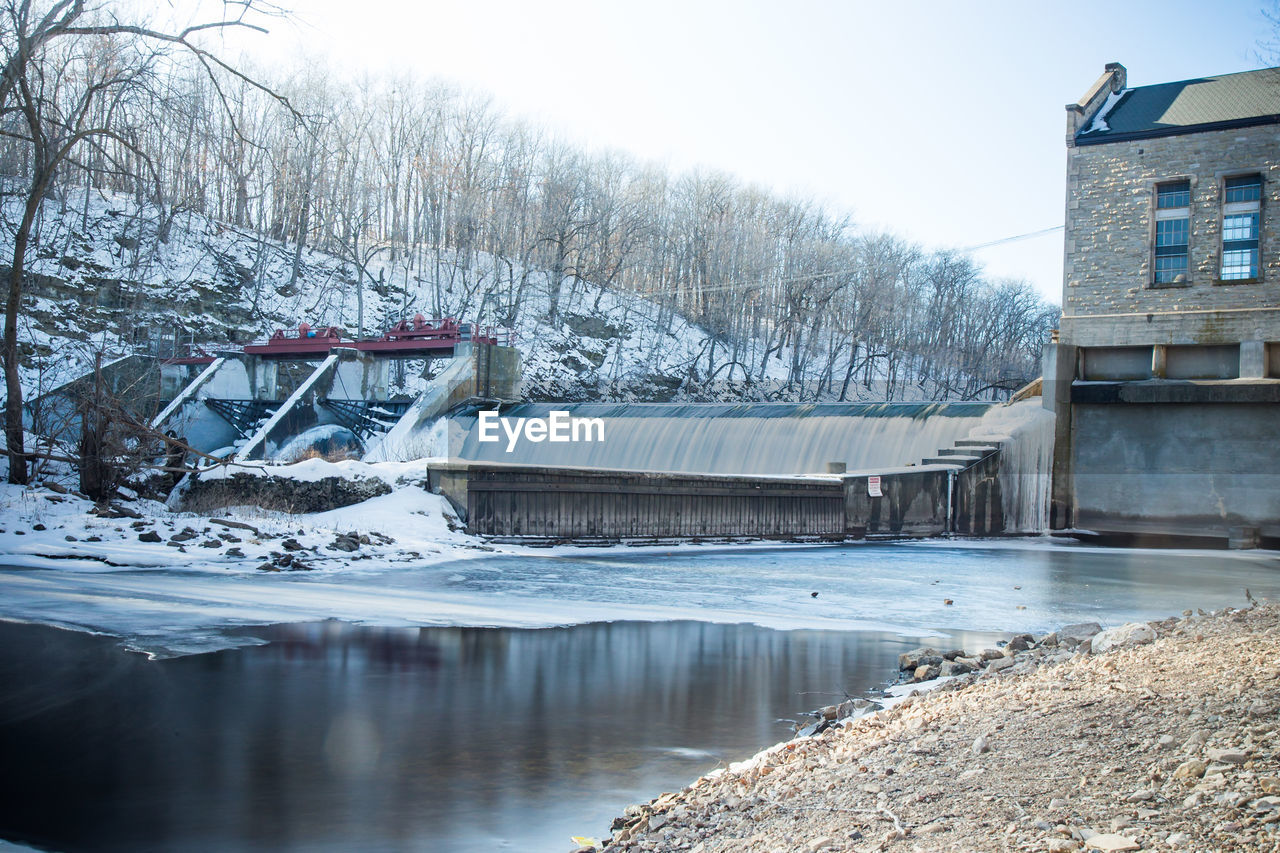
291, 544
1058, 803
1190, 770
991, 654
1165, 742
999, 664
1228, 756
1111, 843
932, 828
1078, 633
233, 552
1049, 641
1141, 796
114, 511
55, 487
926, 672
910, 660
211, 543
1122, 636
1177, 840
954, 667
185, 535
345, 542
953, 654
1019, 643
947, 601
1193, 744
823, 843
1061, 845
981, 745
149, 536
38, 526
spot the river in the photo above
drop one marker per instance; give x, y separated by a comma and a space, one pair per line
384, 735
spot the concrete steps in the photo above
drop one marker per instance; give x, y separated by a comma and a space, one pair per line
954, 460
966, 452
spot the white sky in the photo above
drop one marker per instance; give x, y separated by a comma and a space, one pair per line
939, 121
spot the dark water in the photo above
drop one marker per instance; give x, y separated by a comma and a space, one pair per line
335, 737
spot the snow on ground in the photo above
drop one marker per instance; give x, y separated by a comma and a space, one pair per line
40, 527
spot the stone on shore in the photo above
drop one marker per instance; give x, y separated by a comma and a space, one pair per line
1074, 635
1112, 843
1122, 636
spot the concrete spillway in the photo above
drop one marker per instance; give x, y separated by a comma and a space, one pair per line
754, 438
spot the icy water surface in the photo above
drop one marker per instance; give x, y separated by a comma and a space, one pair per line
334, 736
337, 737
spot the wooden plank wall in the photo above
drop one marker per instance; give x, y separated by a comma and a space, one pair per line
563, 504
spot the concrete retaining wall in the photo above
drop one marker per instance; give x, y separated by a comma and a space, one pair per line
1163, 471
545, 503
557, 504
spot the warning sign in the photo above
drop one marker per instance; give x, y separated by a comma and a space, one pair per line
873, 486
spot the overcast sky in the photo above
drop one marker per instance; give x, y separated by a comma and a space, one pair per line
940, 121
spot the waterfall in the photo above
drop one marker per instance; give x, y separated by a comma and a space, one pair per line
1025, 431
721, 438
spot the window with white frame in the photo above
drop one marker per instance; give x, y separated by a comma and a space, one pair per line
1241, 216
1173, 229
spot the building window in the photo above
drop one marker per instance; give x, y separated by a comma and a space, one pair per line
1173, 229
1241, 212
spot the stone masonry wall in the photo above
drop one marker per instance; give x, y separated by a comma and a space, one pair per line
1110, 233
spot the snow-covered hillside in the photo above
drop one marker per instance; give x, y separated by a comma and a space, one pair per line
101, 282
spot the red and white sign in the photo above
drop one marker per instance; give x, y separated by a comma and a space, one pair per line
873, 486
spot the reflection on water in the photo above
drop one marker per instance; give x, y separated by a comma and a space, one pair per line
341, 737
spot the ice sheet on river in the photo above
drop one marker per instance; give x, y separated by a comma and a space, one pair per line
898, 587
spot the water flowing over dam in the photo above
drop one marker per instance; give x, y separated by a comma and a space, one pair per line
713, 438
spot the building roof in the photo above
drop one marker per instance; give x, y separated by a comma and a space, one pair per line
1188, 106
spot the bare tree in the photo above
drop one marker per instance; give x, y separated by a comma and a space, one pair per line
64, 63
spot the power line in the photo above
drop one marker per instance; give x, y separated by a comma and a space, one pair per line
756, 285
1004, 240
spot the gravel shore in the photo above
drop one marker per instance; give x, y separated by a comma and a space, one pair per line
1168, 744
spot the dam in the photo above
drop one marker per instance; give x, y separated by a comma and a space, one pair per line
812, 471
721, 438
649, 471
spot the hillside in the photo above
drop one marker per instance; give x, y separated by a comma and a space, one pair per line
101, 282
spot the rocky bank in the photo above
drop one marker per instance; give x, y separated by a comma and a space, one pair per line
1159, 736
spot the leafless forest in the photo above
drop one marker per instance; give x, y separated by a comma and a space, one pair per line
420, 187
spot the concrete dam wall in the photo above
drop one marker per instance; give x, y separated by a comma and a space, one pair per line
759, 471
710, 438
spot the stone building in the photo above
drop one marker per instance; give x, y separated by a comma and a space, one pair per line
1165, 378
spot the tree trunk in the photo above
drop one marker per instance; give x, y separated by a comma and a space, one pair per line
12, 377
